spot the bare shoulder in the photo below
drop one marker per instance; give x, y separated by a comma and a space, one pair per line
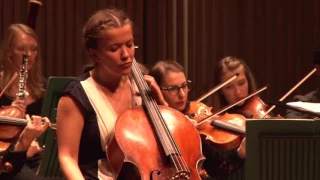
68, 109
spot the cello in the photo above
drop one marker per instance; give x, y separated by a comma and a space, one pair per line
149, 142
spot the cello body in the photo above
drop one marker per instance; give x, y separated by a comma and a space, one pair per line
135, 151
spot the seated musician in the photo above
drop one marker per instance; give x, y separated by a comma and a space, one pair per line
18, 40
175, 88
91, 103
17, 153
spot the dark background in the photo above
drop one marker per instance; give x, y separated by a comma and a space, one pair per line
275, 38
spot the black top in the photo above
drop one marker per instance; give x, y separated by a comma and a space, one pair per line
90, 150
313, 97
32, 109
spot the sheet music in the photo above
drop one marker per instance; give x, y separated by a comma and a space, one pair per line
307, 106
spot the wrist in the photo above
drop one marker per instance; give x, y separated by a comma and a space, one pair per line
241, 153
22, 145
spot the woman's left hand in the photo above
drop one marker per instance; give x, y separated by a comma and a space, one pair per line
155, 90
242, 149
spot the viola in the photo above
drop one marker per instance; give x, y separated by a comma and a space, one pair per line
150, 141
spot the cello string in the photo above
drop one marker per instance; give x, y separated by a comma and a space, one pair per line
158, 119
144, 88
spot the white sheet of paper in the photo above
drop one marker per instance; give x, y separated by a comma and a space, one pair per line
314, 107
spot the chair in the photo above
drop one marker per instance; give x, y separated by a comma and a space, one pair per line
49, 166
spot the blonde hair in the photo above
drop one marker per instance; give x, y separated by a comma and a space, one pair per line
35, 76
102, 20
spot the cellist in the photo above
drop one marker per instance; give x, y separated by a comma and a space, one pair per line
175, 87
91, 103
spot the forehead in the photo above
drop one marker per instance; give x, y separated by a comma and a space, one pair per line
118, 35
173, 78
23, 39
227, 75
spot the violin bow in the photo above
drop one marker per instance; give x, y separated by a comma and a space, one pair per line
241, 100
292, 89
211, 117
219, 86
9, 83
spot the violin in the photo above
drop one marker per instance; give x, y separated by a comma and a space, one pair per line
149, 141
196, 110
215, 137
254, 108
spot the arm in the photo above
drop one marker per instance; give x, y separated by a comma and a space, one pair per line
17, 153
70, 123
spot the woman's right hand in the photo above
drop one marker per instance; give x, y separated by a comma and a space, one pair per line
20, 104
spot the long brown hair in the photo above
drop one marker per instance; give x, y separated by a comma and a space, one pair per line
227, 64
35, 76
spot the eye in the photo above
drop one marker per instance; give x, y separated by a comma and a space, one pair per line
21, 48
114, 49
130, 44
172, 88
242, 82
227, 87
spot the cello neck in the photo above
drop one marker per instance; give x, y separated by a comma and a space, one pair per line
165, 137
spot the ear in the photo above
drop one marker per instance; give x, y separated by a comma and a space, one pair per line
93, 55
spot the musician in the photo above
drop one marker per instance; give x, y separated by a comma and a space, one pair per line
17, 153
237, 89
91, 103
20, 39
175, 87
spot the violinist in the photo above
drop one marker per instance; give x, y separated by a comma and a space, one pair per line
175, 87
20, 39
241, 87
91, 104
17, 153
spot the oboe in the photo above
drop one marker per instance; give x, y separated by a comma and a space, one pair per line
23, 75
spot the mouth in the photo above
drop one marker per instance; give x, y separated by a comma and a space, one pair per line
126, 65
180, 103
239, 98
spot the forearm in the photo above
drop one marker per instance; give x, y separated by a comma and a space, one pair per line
70, 169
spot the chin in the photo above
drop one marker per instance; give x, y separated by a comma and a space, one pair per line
125, 72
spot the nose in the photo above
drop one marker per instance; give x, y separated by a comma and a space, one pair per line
181, 93
124, 54
237, 90
28, 52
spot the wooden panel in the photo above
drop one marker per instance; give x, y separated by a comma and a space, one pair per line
275, 38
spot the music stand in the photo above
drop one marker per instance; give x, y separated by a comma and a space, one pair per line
282, 149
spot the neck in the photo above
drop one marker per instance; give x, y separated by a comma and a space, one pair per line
110, 81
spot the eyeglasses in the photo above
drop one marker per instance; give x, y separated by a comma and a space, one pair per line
174, 90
